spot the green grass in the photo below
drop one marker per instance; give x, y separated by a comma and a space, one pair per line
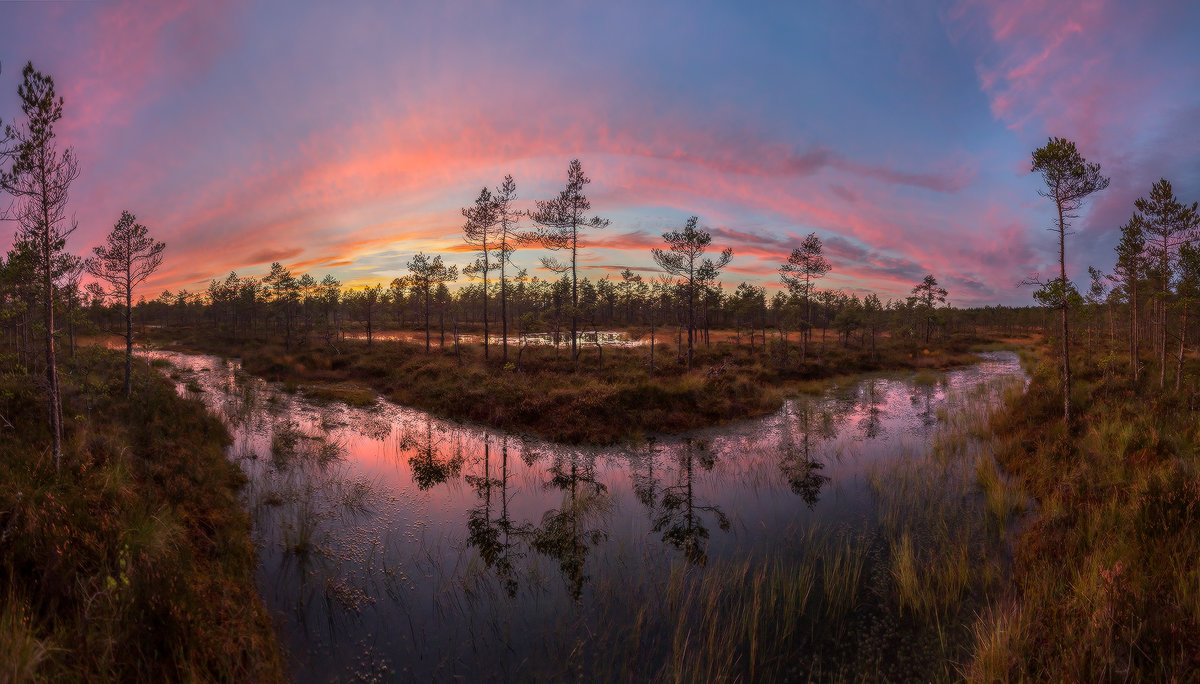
133, 562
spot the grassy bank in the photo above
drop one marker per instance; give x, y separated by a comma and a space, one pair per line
133, 562
609, 396
1107, 577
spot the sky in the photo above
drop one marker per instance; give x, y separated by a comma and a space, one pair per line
344, 137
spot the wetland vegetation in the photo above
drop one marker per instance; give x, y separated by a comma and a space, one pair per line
484, 474
395, 542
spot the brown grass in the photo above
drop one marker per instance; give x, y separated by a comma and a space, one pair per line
134, 562
551, 396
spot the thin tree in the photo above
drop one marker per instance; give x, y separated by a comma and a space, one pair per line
128, 256
479, 232
1130, 264
1169, 225
558, 223
1189, 293
1069, 180
39, 181
684, 259
369, 301
804, 266
70, 291
426, 275
508, 220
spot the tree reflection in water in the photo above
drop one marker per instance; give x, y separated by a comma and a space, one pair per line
567, 533
645, 486
871, 422
429, 468
679, 517
494, 538
371, 519
799, 466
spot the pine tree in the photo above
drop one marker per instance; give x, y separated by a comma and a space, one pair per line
559, 222
1069, 180
39, 180
127, 258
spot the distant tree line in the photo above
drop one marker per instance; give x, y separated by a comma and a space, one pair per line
683, 298
302, 310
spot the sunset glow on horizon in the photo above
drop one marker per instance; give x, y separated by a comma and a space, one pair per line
343, 138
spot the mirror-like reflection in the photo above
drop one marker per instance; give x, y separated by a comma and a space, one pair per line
396, 544
679, 516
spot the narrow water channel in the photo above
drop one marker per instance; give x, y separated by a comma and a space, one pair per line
396, 545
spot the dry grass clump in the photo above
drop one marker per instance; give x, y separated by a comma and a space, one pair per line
1106, 579
133, 562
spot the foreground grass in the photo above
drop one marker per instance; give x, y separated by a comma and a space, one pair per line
607, 397
1107, 577
888, 596
134, 562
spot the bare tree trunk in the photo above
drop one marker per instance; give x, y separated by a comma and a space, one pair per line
1112, 326
804, 330
503, 309
599, 352
128, 341
486, 340
691, 320
1182, 342
652, 346
1162, 319
574, 298
51, 363
764, 330
1133, 328
1066, 348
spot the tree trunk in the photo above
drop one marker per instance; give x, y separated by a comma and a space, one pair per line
1182, 342
804, 330
652, 346
574, 298
503, 309
691, 320
52, 394
51, 363
1066, 350
1162, 320
128, 340
1133, 330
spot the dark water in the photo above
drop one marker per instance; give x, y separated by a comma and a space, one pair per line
395, 545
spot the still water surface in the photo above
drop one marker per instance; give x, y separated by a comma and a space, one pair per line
396, 545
